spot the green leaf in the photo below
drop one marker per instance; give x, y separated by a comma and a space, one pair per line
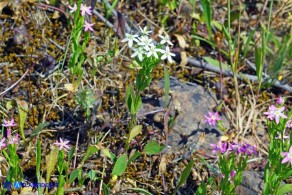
152, 147
109, 154
134, 132
109, 11
184, 175
38, 129
207, 12
74, 174
51, 161
90, 151
22, 107
70, 154
166, 86
120, 165
284, 189
38, 159
106, 189
259, 63
92, 175
134, 157
247, 43
202, 190
225, 67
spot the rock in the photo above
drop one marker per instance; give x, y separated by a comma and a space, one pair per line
252, 183
190, 133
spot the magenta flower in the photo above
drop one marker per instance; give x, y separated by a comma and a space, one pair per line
275, 113
73, 9
280, 100
9, 123
232, 146
85, 9
247, 149
2, 144
13, 139
62, 144
88, 26
212, 118
288, 156
222, 147
232, 174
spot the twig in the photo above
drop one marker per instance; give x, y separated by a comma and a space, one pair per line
252, 78
75, 152
110, 25
57, 45
52, 7
12, 86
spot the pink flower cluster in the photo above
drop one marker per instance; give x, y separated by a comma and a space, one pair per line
10, 139
225, 147
84, 10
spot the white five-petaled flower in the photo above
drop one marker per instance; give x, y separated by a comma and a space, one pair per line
73, 9
145, 42
88, 26
167, 54
138, 52
62, 144
144, 31
84, 9
153, 51
165, 39
130, 38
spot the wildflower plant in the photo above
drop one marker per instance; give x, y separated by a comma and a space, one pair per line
233, 157
147, 55
278, 167
8, 147
80, 27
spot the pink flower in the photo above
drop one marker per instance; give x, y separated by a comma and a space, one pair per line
85, 9
222, 147
212, 118
62, 144
280, 100
88, 26
73, 9
289, 123
9, 123
13, 139
288, 156
232, 174
2, 144
275, 113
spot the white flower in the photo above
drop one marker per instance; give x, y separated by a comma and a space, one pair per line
130, 38
73, 9
167, 54
144, 31
145, 42
165, 39
153, 51
138, 52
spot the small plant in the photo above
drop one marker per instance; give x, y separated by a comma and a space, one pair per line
146, 55
278, 167
86, 99
78, 43
8, 148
